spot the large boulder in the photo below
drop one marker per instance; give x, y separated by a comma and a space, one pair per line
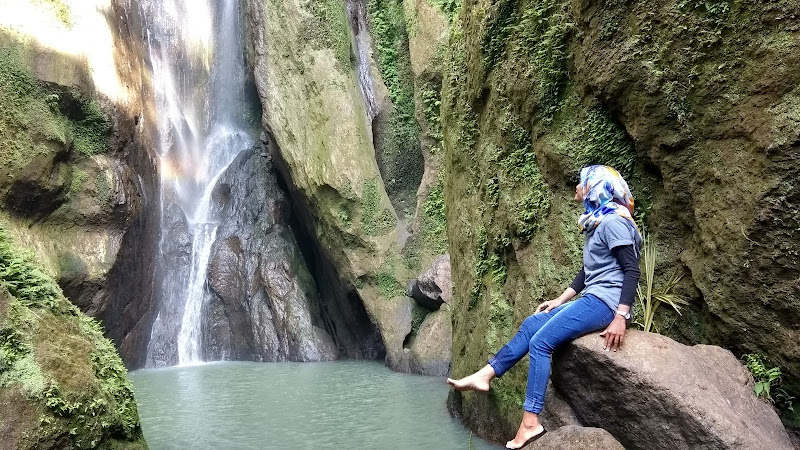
434, 286
432, 349
393, 318
656, 393
574, 437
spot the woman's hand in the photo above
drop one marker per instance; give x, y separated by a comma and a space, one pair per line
549, 305
614, 333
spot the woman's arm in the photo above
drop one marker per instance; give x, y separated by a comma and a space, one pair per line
577, 285
615, 332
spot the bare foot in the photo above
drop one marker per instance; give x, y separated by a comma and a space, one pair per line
529, 430
478, 381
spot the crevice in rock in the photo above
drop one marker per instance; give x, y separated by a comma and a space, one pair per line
341, 308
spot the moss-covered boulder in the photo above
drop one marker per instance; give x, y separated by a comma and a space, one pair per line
692, 101
62, 384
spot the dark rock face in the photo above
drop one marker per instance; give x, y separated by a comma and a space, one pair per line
574, 437
261, 303
556, 412
434, 286
658, 394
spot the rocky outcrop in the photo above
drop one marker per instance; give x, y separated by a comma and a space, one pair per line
656, 393
262, 304
431, 350
79, 174
433, 287
573, 437
691, 101
394, 321
333, 155
62, 383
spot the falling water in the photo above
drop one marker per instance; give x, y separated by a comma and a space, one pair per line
196, 52
358, 23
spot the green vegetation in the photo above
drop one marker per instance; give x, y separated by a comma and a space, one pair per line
499, 19
768, 383
388, 285
374, 221
398, 149
649, 298
36, 117
59, 359
431, 97
328, 27
434, 222
450, 8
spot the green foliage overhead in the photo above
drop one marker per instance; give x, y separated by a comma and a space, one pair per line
450, 8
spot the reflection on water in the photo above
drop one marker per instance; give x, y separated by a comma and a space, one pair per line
344, 404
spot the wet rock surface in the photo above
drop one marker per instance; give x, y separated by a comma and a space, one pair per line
261, 302
656, 393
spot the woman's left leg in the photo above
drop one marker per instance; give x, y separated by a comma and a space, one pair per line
582, 316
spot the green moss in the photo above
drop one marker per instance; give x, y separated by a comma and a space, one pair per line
418, 315
388, 285
450, 8
103, 187
60, 360
79, 177
430, 95
374, 221
499, 19
542, 49
329, 27
398, 151
501, 316
434, 222
35, 117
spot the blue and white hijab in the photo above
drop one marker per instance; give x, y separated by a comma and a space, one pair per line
604, 192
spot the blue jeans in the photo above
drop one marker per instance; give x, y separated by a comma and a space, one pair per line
541, 333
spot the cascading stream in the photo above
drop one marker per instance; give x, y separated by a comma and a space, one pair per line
196, 52
358, 23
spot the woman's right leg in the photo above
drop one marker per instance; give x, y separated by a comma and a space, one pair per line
507, 356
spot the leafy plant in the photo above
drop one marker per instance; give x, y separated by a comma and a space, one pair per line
768, 382
650, 298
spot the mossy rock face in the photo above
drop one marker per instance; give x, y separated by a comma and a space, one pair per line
691, 101
62, 384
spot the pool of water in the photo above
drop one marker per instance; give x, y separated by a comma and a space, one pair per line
343, 405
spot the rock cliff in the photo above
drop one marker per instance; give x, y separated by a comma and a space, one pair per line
692, 101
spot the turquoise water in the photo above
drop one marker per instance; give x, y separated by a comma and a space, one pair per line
343, 405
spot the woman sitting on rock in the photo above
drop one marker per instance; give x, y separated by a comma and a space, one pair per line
607, 284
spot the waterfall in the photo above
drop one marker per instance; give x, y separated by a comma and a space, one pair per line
358, 22
198, 75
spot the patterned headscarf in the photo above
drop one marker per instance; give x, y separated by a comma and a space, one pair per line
604, 192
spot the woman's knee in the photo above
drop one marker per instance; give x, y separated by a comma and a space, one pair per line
539, 345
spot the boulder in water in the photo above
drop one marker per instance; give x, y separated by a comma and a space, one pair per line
656, 393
